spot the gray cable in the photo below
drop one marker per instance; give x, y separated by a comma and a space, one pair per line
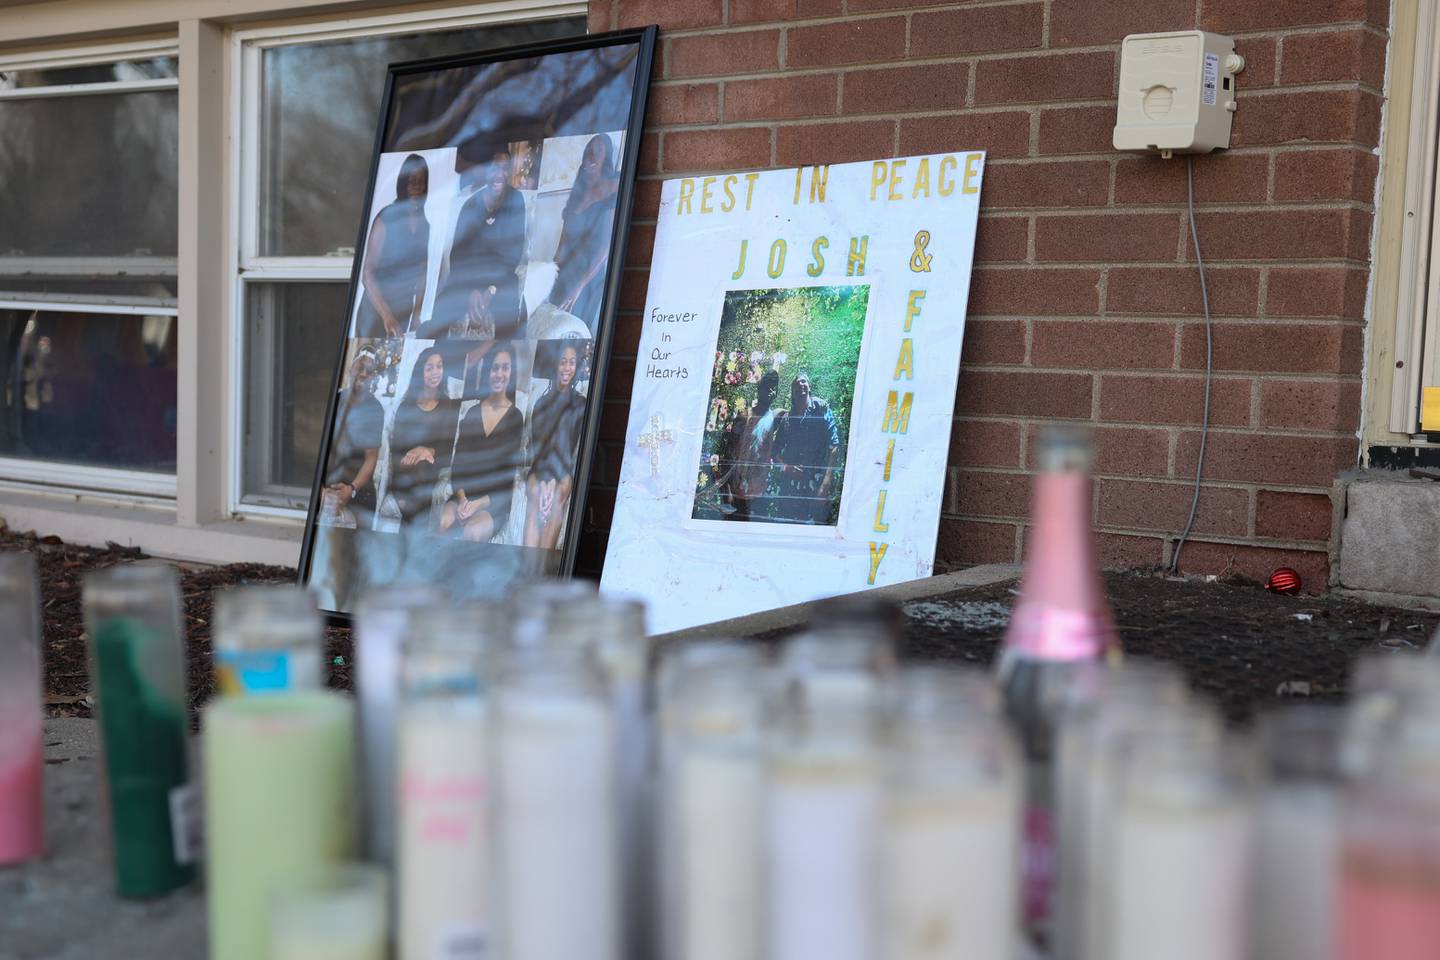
1209, 362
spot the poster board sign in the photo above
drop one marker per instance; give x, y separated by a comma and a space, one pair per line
795, 385
468, 390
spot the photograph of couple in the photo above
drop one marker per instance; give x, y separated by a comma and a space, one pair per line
777, 422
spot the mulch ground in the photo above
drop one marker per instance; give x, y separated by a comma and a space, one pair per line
1237, 642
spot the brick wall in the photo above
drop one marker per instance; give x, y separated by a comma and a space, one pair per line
1085, 302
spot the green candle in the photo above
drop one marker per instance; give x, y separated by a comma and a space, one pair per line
279, 795
138, 670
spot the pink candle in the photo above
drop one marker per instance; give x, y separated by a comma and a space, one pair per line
1388, 912
22, 825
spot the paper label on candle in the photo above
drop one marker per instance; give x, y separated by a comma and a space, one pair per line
252, 671
463, 942
186, 823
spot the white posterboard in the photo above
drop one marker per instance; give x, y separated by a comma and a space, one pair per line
740, 491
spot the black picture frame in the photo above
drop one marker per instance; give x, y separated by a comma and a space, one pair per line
538, 58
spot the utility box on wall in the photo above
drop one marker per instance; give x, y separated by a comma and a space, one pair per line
1177, 92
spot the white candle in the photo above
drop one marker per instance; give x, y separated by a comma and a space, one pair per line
442, 827
1298, 863
822, 840
556, 830
952, 876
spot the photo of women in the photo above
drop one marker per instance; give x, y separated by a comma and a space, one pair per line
488, 453
396, 251
422, 438
480, 294
555, 425
588, 223
359, 422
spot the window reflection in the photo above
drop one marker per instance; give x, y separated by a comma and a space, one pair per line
93, 389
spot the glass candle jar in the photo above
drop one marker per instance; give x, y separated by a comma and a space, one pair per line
443, 788
340, 915
712, 778
22, 714
268, 639
953, 816
137, 656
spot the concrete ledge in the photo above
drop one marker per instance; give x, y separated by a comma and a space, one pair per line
795, 615
1390, 541
1382, 599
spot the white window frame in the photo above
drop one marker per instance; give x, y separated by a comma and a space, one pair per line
32, 474
248, 47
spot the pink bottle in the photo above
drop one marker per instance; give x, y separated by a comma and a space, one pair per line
1061, 631
22, 825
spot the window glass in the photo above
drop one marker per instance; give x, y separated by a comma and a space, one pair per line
148, 68
319, 103
293, 332
89, 388
89, 176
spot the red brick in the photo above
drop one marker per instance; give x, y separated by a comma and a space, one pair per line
1075, 183
1310, 405
964, 543
719, 54
1283, 234
1175, 399
1000, 239
1260, 61
1244, 15
782, 98
1347, 55
1219, 178
1017, 394
1066, 76
750, 11
850, 41
1087, 23
1276, 347
1318, 116
726, 148
981, 493
949, 33
1166, 506
678, 103
1293, 516
1117, 550
619, 377
1077, 130
1267, 458
1257, 563
1109, 237
1129, 452
985, 443
673, 15
834, 142
998, 134
647, 199
599, 18
1346, 174
1101, 344
1028, 292
1175, 291
649, 159
641, 246
994, 342
1337, 292
906, 89
634, 284
613, 418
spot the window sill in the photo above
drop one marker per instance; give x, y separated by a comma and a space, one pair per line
151, 525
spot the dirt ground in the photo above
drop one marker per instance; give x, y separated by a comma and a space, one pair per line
1236, 641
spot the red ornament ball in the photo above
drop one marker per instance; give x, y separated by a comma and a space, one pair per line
1284, 580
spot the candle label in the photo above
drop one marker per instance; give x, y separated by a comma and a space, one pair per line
185, 823
462, 942
252, 671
